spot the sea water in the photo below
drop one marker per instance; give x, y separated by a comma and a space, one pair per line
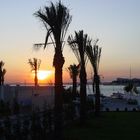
106, 90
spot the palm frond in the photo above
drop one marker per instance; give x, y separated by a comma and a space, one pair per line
73, 70
72, 43
56, 19
34, 64
1, 64
94, 54
78, 45
4, 72
47, 36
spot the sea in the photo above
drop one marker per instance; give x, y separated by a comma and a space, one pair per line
107, 90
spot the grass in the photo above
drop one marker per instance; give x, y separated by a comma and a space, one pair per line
110, 126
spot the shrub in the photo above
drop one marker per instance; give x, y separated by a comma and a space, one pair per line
69, 111
107, 109
126, 109
134, 110
132, 101
90, 105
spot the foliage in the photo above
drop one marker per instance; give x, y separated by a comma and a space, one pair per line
8, 126
69, 107
94, 54
69, 111
35, 65
4, 108
2, 72
67, 95
90, 105
39, 125
131, 88
132, 101
78, 44
56, 20
16, 107
73, 70
17, 129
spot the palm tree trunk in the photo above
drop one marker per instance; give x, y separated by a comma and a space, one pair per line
93, 86
74, 87
2, 80
97, 95
36, 79
58, 109
83, 102
0, 76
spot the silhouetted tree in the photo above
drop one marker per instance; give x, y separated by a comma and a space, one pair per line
35, 65
56, 19
74, 71
2, 72
131, 88
94, 53
78, 45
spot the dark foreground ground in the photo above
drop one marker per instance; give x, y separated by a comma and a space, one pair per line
110, 126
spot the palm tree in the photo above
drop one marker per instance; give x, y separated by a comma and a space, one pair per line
78, 45
3, 74
94, 53
56, 19
35, 65
74, 71
1, 71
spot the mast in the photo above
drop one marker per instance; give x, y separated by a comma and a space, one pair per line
130, 73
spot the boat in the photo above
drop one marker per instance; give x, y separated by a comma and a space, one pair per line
117, 95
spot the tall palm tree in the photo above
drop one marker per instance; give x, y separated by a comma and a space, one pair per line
94, 54
35, 65
1, 71
56, 19
78, 45
74, 71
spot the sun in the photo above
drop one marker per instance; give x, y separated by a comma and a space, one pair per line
43, 74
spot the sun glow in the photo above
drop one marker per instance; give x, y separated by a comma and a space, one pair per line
44, 74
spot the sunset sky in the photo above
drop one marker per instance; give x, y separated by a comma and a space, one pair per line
115, 22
